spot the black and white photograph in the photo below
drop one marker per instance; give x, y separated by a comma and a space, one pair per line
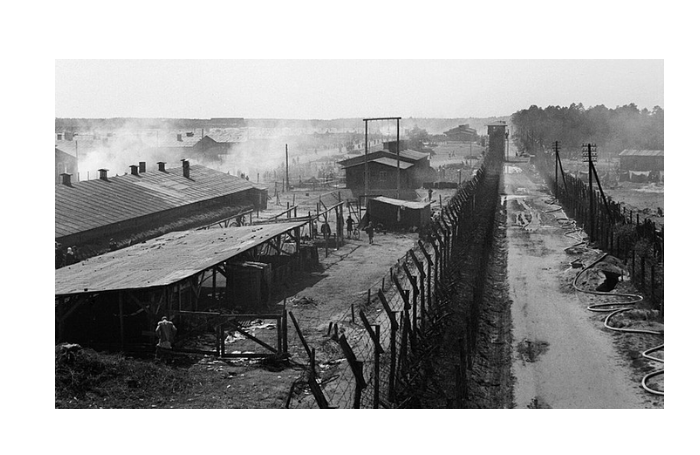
262, 213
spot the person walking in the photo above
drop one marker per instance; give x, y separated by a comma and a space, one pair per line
370, 231
349, 223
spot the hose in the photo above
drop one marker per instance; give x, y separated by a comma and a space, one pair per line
632, 299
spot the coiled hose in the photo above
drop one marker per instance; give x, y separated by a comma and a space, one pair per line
631, 299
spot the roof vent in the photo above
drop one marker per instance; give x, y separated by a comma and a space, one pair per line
142, 167
65, 179
103, 174
186, 169
134, 169
161, 166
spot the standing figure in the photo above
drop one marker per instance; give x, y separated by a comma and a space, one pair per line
70, 257
349, 222
370, 231
326, 230
165, 331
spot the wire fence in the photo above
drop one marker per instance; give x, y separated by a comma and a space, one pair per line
623, 233
373, 347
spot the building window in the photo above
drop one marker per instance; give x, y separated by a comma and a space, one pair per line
383, 176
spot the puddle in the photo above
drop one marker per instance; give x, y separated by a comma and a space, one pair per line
529, 351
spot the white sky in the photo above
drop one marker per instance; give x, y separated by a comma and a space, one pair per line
326, 89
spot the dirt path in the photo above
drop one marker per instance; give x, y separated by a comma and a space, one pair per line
563, 357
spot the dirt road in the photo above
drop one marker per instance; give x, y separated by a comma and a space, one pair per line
563, 357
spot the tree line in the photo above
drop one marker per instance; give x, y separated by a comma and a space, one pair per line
613, 130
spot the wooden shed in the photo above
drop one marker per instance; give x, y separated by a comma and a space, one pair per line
398, 214
642, 160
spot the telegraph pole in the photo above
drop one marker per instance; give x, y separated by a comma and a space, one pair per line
556, 169
366, 163
590, 155
398, 161
286, 157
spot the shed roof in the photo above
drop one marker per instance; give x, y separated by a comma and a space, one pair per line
96, 203
227, 136
402, 203
413, 154
164, 260
632, 152
383, 160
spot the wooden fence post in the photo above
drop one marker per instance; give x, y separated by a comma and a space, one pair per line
356, 367
392, 343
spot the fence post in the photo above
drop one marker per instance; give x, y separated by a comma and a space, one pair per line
377, 351
356, 367
392, 343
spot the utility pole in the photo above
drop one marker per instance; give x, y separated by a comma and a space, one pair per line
589, 156
556, 169
366, 163
398, 161
286, 158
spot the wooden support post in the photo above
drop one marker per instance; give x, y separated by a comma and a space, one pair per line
121, 321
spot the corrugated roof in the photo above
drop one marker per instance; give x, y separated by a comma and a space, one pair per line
383, 160
632, 152
413, 154
164, 260
402, 203
392, 162
96, 203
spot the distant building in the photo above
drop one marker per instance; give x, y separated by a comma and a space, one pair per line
147, 203
462, 133
642, 160
396, 213
214, 145
414, 169
497, 138
66, 163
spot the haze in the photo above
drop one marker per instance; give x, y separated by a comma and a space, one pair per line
327, 89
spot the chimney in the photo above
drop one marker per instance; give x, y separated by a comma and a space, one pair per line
65, 179
161, 166
103, 174
179, 137
134, 169
142, 167
186, 169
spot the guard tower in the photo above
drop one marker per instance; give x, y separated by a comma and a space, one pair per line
497, 138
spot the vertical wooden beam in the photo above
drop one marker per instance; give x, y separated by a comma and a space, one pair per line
121, 321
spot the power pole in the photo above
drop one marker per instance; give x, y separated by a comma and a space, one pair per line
556, 169
366, 162
398, 161
286, 156
589, 156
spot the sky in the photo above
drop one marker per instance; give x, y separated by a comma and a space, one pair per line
327, 88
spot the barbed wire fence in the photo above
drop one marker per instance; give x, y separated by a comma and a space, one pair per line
380, 339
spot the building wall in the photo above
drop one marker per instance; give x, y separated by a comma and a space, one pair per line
641, 163
380, 176
65, 164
